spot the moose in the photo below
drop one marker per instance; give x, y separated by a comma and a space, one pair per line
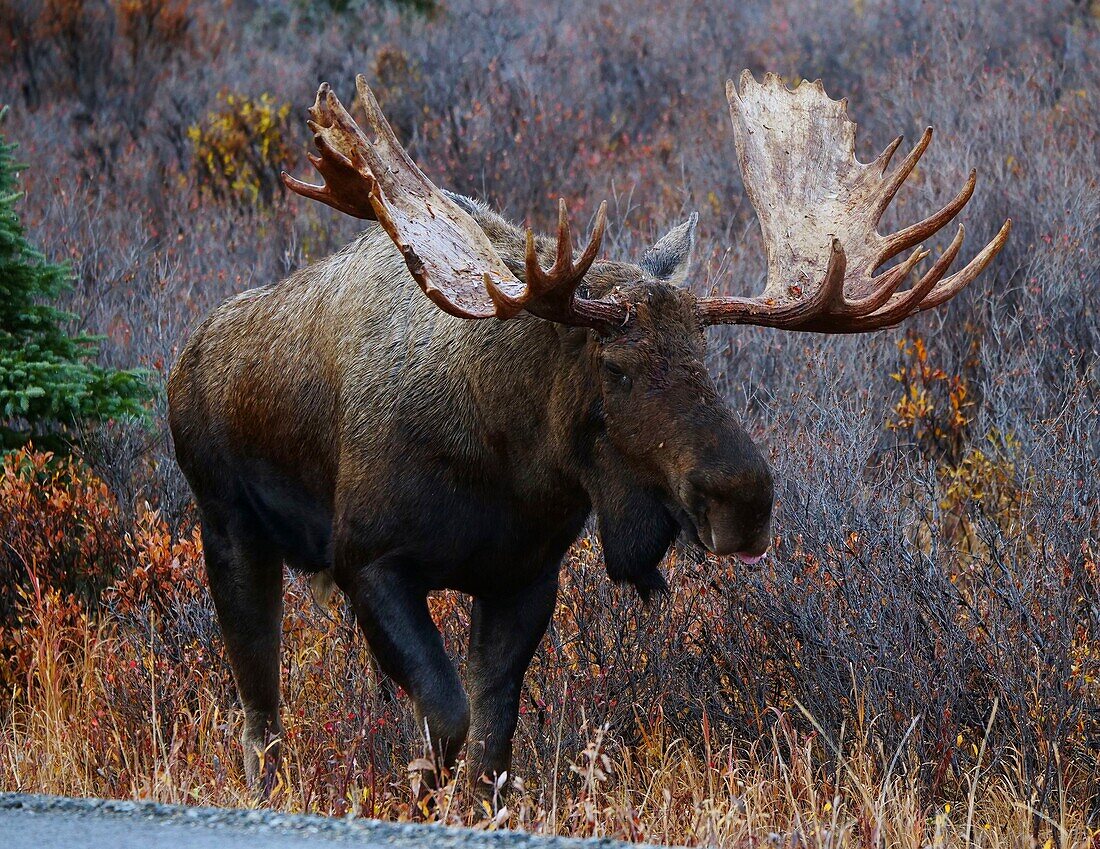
392, 444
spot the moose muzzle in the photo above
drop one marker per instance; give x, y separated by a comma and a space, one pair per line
730, 514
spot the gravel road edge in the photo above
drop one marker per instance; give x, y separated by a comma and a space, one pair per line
261, 822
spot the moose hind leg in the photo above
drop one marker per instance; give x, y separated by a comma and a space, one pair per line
246, 582
504, 634
393, 613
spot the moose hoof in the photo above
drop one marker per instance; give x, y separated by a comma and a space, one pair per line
262, 756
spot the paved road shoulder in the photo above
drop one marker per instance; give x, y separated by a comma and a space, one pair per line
54, 822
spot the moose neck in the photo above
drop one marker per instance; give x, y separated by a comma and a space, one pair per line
535, 396
546, 371
551, 374
540, 367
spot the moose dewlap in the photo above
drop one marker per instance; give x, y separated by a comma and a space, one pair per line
342, 423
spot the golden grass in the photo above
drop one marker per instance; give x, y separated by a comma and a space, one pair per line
71, 728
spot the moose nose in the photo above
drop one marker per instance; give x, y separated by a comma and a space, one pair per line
747, 545
732, 517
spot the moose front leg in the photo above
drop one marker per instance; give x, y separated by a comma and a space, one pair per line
504, 633
393, 613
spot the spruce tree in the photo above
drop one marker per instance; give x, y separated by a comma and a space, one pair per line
49, 380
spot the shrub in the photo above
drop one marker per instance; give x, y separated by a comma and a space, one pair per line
341, 7
241, 148
48, 383
110, 54
60, 533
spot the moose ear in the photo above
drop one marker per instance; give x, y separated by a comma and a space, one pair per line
669, 258
470, 205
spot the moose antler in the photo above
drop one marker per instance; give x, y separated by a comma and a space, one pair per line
818, 208
446, 251
553, 294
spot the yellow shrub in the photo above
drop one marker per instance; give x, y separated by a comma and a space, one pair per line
241, 147
974, 474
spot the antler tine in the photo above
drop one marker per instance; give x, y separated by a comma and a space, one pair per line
504, 305
565, 237
594, 241
551, 294
883, 159
324, 194
537, 282
951, 286
831, 292
920, 231
540, 282
893, 183
909, 301
344, 186
888, 283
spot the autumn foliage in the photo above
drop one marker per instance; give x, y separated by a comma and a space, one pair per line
691, 718
241, 148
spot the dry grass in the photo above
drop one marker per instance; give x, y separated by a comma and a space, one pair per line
67, 731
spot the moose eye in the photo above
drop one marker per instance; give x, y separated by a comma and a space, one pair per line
616, 376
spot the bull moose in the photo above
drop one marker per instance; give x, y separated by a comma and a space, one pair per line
343, 424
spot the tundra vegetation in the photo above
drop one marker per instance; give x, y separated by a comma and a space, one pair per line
48, 378
918, 661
